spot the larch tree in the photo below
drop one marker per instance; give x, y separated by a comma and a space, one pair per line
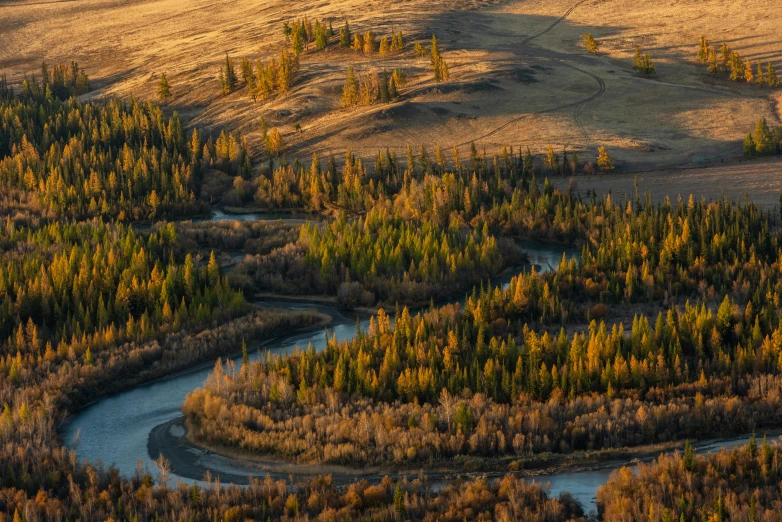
749, 146
384, 46
228, 79
350, 89
275, 144
703, 50
749, 75
358, 43
439, 67
344, 36
760, 77
771, 76
370, 43
604, 161
163, 89
736, 67
592, 45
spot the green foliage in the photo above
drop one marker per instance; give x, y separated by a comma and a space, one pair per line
110, 158
163, 89
82, 285
439, 66
227, 77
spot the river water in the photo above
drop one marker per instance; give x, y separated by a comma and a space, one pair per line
116, 429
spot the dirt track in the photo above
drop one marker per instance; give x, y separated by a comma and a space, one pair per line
518, 71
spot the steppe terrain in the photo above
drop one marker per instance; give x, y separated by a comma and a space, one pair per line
519, 74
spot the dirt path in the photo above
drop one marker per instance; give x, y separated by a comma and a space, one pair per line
576, 106
552, 26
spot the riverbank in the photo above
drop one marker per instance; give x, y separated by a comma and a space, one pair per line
191, 459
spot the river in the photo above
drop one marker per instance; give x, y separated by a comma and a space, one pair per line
116, 430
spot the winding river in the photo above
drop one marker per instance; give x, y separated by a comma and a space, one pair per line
116, 430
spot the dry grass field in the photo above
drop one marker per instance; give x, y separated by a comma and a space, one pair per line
519, 74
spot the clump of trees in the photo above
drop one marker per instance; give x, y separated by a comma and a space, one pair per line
62, 82
764, 141
643, 64
372, 87
725, 60
114, 158
734, 484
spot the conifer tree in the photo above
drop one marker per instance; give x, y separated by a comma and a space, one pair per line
771, 76
321, 36
592, 45
749, 76
725, 54
419, 49
350, 89
760, 77
384, 46
297, 42
763, 138
715, 67
358, 43
385, 96
439, 66
345, 37
370, 44
552, 160
393, 89
604, 161
275, 145
703, 50
163, 89
247, 72
749, 146
228, 79
736, 67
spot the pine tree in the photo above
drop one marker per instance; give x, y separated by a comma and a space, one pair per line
604, 160
163, 89
345, 36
